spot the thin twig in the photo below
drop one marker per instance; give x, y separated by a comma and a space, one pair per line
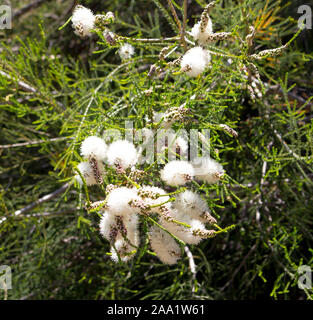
22, 144
185, 12
22, 84
26, 87
174, 13
38, 202
283, 142
260, 202
239, 267
192, 266
28, 7
147, 40
51, 214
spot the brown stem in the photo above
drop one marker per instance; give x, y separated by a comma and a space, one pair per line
182, 37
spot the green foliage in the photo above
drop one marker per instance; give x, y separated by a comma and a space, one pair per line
59, 89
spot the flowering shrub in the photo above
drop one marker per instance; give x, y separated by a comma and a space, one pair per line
181, 219
162, 155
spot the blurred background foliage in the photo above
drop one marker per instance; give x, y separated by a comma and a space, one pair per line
57, 88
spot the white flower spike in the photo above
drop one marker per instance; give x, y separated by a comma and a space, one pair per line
87, 172
177, 173
122, 153
165, 247
191, 204
93, 147
202, 35
118, 201
83, 21
208, 170
188, 235
195, 61
126, 51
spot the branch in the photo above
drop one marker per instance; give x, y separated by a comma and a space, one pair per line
51, 214
260, 202
181, 32
27, 87
239, 267
192, 266
38, 202
152, 40
22, 144
28, 7
22, 84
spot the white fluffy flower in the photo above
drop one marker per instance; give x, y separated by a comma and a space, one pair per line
208, 170
202, 36
123, 153
118, 201
184, 233
177, 173
83, 21
165, 247
192, 204
93, 147
125, 250
87, 172
107, 222
195, 61
153, 200
126, 51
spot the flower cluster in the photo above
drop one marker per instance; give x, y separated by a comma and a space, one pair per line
84, 21
120, 155
197, 59
172, 214
181, 218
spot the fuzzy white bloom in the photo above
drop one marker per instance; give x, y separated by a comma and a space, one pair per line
126, 51
152, 201
165, 247
181, 232
118, 201
131, 224
123, 153
107, 222
208, 170
93, 147
195, 61
83, 21
125, 250
87, 172
191, 204
202, 36
177, 173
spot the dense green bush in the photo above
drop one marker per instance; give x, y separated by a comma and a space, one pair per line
57, 89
